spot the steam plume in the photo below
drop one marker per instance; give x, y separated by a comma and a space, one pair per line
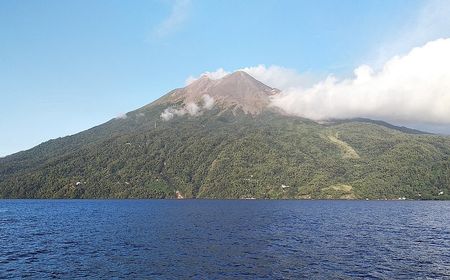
191, 109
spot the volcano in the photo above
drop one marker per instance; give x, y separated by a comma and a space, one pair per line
238, 90
223, 139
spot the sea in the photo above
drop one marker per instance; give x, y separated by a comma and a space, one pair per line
224, 239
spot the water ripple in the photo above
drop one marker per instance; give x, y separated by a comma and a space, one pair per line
151, 239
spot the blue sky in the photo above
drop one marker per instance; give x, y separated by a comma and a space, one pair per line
66, 66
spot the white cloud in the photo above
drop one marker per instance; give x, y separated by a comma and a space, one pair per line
190, 108
178, 15
215, 75
171, 112
410, 88
279, 77
121, 117
167, 114
274, 76
208, 102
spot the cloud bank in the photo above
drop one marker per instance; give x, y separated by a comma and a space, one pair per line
190, 109
410, 88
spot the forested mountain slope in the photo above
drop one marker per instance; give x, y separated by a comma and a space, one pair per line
235, 148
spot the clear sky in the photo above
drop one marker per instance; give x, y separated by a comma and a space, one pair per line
66, 66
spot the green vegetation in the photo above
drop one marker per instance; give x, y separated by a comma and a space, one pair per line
222, 155
347, 151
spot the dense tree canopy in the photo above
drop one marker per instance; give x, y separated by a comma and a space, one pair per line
221, 154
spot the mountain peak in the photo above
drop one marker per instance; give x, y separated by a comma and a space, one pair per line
237, 90
239, 75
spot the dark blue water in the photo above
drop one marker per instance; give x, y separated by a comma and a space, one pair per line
154, 239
